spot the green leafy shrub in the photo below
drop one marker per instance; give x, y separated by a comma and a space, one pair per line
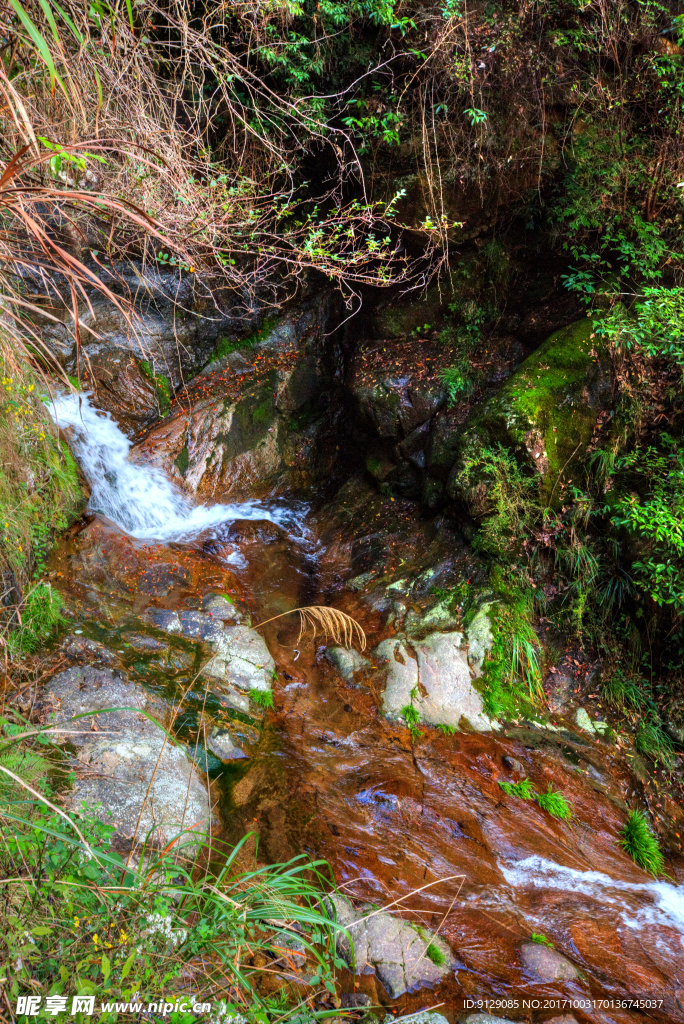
555, 803
638, 840
456, 382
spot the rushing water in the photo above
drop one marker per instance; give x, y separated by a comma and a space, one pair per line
333, 777
139, 498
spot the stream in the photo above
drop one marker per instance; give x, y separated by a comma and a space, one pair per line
423, 822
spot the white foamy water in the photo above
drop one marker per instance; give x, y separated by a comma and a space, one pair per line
141, 499
639, 905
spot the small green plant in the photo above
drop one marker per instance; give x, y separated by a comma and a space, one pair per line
554, 803
262, 698
448, 730
541, 939
411, 715
651, 740
436, 955
637, 839
456, 383
523, 789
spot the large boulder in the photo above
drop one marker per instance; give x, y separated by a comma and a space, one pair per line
259, 419
404, 957
128, 771
433, 676
545, 413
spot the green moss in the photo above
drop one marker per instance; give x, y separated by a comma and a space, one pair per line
161, 384
547, 410
182, 460
227, 345
41, 619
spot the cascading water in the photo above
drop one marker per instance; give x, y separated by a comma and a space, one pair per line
637, 904
141, 499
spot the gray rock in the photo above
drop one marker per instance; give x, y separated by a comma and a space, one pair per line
513, 765
545, 963
242, 660
224, 744
350, 1000
200, 626
389, 947
219, 607
163, 619
347, 662
437, 668
136, 777
162, 578
422, 1017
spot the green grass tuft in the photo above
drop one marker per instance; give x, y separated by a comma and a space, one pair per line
638, 840
41, 618
555, 803
262, 698
523, 789
541, 939
448, 730
651, 740
436, 955
623, 692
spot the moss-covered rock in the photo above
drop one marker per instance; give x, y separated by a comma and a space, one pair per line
545, 413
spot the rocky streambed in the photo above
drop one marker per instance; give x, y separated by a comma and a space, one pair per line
311, 468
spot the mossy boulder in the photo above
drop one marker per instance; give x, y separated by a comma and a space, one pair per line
545, 413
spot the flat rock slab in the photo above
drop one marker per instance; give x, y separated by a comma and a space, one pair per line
437, 672
390, 948
546, 964
127, 772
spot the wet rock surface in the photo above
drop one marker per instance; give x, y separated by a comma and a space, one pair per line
413, 816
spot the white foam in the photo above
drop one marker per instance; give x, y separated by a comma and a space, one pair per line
140, 498
638, 904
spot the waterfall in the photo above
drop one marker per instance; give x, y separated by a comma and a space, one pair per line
139, 498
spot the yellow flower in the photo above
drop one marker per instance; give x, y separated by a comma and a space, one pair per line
123, 937
76, 922
95, 939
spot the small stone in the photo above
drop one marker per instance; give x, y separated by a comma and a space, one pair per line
347, 662
565, 1018
546, 964
349, 1000
513, 765
222, 743
163, 619
219, 607
200, 626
